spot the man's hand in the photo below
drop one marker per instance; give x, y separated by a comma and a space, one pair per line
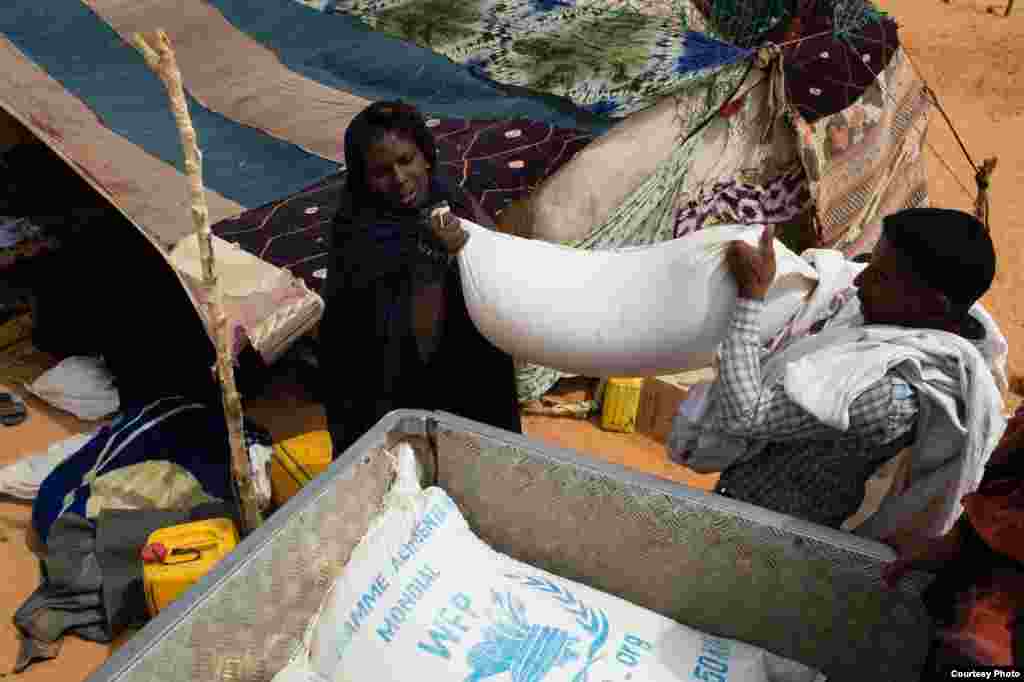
449, 230
931, 555
753, 268
1011, 443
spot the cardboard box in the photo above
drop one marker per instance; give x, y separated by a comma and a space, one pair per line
660, 399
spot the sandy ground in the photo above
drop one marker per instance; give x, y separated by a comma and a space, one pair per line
20, 566
972, 60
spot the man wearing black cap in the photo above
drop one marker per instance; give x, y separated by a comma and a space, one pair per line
817, 424
930, 266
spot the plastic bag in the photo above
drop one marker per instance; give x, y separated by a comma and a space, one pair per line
79, 385
422, 598
23, 478
642, 311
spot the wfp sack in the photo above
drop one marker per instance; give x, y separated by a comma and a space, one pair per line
422, 598
638, 311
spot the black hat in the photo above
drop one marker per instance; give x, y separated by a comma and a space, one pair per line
949, 250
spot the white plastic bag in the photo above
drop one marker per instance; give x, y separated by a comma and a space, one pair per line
422, 598
23, 478
642, 311
260, 457
703, 451
79, 385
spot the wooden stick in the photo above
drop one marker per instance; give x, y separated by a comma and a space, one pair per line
1009, 8
159, 55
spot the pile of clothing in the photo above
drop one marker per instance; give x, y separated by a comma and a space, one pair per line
977, 599
93, 578
154, 466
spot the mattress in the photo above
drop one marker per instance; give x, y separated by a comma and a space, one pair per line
802, 591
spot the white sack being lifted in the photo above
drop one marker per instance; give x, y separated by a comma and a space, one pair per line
640, 311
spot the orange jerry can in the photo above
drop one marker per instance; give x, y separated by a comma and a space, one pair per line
175, 558
296, 462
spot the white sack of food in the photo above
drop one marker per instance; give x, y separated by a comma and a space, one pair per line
422, 598
638, 311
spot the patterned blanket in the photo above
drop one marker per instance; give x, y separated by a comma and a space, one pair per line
610, 58
497, 162
866, 161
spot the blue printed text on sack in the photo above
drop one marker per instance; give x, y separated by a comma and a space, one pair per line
413, 592
632, 649
366, 603
422, 532
713, 662
449, 626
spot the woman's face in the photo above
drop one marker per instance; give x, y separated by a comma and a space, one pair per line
397, 172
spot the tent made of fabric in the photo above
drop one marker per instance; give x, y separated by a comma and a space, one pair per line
707, 122
72, 78
802, 113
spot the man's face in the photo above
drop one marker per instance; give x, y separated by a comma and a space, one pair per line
397, 172
890, 293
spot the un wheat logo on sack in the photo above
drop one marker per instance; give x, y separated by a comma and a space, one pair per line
528, 652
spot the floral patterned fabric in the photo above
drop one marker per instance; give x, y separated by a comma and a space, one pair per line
733, 202
865, 162
610, 58
832, 49
616, 57
842, 48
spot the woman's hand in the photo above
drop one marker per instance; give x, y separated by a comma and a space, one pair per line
753, 268
448, 229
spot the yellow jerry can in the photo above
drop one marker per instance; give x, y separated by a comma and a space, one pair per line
621, 404
296, 462
175, 558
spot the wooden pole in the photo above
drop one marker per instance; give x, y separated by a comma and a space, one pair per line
159, 55
1009, 8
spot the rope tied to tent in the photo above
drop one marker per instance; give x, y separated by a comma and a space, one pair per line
769, 57
982, 173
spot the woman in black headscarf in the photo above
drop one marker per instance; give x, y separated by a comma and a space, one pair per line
396, 333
